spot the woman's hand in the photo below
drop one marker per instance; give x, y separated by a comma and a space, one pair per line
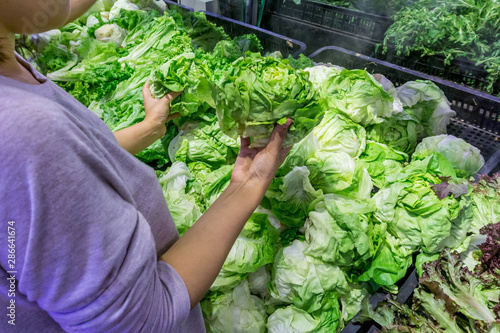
158, 110
258, 166
200, 253
138, 137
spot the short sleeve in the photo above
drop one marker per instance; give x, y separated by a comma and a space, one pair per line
85, 253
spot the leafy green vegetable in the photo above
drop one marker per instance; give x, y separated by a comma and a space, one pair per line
254, 247
454, 29
209, 183
358, 95
204, 34
389, 264
464, 157
340, 232
334, 240
257, 92
258, 280
158, 152
290, 197
299, 154
302, 62
183, 73
183, 206
449, 298
339, 173
336, 133
382, 161
485, 202
111, 33
203, 142
428, 104
236, 310
400, 132
305, 281
418, 217
294, 320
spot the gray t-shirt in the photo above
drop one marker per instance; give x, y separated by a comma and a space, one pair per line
89, 219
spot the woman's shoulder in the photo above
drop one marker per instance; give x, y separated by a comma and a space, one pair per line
28, 120
16, 103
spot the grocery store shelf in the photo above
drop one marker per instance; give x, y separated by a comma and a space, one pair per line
270, 41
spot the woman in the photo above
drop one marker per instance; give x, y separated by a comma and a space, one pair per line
92, 244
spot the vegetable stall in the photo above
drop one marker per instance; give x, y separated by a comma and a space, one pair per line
372, 188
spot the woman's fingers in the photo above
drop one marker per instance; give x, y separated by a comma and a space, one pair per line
275, 145
283, 154
172, 95
245, 142
173, 116
146, 93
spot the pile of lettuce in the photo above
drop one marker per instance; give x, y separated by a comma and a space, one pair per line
371, 181
450, 297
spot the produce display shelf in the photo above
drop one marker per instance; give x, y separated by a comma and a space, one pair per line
332, 17
309, 23
478, 113
270, 41
461, 71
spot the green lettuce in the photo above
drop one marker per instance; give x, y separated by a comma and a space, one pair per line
339, 231
203, 142
157, 153
295, 320
421, 217
382, 161
183, 206
290, 197
208, 184
258, 92
336, 133
358, 95
234, 311
339, 173
254, 247
399, 132
319, 74
389, 264
258, 280
485, 198
299, 154
428, 104
303, 280
183, 73
465, 158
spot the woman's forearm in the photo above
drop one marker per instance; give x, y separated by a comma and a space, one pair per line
78, 8
138, 137
199, 254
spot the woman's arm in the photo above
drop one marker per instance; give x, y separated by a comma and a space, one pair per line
138, 137
199, 254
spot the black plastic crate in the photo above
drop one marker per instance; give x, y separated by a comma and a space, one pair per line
477, 119
270, 41
292, 20
316, 36
178, 6
332, 17
406, 286
461, 71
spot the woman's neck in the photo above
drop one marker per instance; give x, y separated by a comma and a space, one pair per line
9, 66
